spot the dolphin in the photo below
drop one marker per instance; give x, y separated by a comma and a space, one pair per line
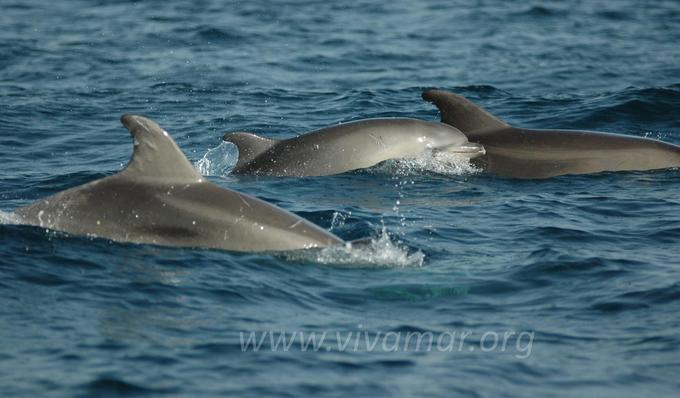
346, 146
534, 154
159, 198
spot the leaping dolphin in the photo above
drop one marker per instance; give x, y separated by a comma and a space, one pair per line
346, 146
159, 198
522, 153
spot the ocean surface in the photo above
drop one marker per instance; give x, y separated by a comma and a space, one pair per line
470, 285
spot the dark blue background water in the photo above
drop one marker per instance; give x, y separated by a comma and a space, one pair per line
587, 264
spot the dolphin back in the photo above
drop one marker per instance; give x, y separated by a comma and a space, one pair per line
155, 154
462, 113
346, 146
249, 145
522, 153
159, 198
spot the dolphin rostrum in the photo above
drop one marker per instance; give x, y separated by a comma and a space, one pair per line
522, 153
346, 146
159, 198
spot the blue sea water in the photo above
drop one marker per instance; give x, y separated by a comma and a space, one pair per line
560, 287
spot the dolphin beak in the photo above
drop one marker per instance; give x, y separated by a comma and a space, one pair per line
469, 149
127, 120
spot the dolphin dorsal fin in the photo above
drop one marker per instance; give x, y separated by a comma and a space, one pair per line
249, 145
156, 155
462, 113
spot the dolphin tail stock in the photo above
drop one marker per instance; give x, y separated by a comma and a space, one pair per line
155, 153
249, 145
462, 113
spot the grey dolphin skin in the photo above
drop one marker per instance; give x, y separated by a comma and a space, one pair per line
346, 146
159, 198
522, 153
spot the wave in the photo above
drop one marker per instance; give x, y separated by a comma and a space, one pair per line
633, 109
481, 89
541, 11
111, 386
211, 33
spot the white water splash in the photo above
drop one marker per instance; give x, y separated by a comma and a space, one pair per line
339, 219
218, 161
438, 162
657, 135
377, 252
9, 218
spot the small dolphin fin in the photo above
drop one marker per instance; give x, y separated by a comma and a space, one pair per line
462, 113
156, 154
249, 146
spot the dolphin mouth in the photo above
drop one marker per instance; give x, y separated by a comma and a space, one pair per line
469, 149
